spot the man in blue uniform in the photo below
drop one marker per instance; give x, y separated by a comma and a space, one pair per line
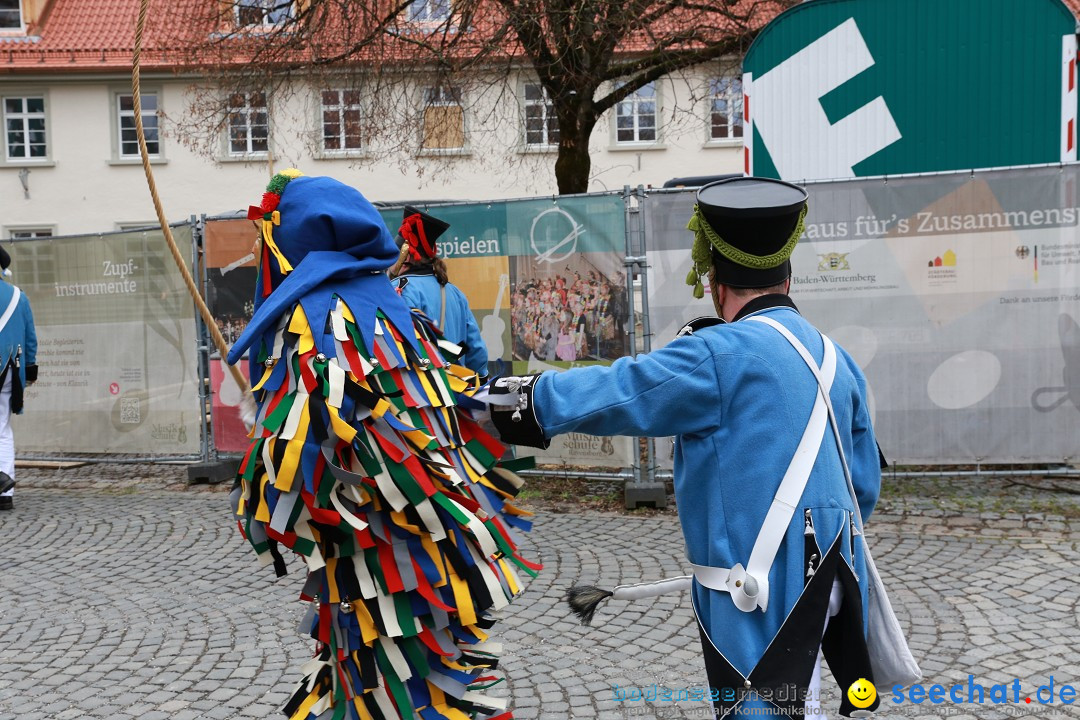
18, 368
421, 279
769, 517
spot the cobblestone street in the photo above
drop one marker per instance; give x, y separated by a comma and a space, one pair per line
122, 601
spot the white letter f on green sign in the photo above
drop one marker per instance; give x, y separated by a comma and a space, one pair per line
788, 115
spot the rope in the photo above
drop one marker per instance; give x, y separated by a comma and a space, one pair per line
193, 290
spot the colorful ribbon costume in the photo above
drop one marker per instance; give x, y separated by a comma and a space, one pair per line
364, 461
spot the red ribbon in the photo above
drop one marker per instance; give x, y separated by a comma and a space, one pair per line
412, 229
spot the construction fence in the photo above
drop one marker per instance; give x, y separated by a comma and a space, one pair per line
957, 293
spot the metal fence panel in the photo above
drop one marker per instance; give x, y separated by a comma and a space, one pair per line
544, 277
956, 293
116, 346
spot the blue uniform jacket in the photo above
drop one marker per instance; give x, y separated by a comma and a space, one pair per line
737, 398
18, 336
423, 292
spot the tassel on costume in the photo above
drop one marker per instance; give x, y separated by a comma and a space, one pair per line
585, 599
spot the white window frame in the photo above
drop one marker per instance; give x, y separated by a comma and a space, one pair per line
28, 232
340, 109
116, 123
729, 89
442, 95
25, 115
21, 27
268, 7
633, 101
247, 110
547, 118
429, 12
35, 258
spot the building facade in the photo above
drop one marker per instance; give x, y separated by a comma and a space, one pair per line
70, 160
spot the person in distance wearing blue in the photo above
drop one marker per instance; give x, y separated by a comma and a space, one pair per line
421, 280
18, 360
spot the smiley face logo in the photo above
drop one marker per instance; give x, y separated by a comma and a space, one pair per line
862, 693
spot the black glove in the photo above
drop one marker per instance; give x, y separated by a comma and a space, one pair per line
516, 421
31, 374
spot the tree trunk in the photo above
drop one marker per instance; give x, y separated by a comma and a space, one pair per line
572, 167
573, 164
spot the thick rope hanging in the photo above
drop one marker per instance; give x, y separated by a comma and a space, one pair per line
193, 290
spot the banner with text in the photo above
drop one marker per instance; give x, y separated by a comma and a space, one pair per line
958, 295
544, 279
116, 345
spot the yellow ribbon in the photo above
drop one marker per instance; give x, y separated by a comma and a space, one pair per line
268, 241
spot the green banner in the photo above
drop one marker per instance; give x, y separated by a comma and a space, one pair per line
854, 88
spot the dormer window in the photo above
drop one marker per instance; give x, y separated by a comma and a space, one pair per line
11, 15
261, 13
429, 11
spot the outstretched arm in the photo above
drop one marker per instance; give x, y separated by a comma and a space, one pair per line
672, 391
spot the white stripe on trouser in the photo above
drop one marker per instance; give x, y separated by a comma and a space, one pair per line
7, 437
813, 695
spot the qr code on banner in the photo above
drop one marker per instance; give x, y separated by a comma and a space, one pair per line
130, 411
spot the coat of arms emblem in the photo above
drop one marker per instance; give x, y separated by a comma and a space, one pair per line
833, 261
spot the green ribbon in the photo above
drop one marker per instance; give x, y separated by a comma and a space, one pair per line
706, 239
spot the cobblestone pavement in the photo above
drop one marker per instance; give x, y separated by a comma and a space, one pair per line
122, 600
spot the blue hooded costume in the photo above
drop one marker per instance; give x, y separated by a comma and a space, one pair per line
364, 462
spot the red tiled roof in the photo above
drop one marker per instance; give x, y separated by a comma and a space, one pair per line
99, 35
94, 35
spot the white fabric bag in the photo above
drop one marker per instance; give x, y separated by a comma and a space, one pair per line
890, 656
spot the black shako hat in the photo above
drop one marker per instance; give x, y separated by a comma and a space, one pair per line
746, 228
5, 259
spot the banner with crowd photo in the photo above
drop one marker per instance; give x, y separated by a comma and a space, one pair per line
958, 295
544, 278
546, 282
116, 346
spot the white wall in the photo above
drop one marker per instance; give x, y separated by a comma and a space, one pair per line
84, 189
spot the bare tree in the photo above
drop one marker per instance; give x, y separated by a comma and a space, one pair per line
588, 55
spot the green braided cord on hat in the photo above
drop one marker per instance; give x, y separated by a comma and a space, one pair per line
705, 239
279, 181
